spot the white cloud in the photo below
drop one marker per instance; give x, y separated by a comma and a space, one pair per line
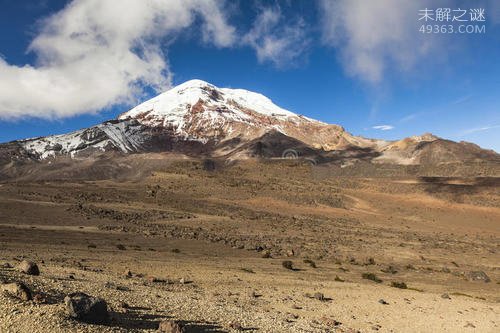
383, 127
94, 53
377, 37
480, 129
276, 42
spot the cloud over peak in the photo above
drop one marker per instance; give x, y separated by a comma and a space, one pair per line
91, 55
383, 127
376, 37
274, 41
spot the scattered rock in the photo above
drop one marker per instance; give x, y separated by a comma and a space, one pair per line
319, 297
266, 254
478, 276
330, 322
124, 305
6, 265
28, 267
17, 289
371, 276
153, 279
39, 299
369, 261
400, 285
288, 264
445, 296
290, 317
338, 279
170, 326
310, 263
390, 269
471, 325
86, 308
127, 273
236, 326
382, 301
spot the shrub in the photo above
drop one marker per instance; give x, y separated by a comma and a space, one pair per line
288, 264
400, 285
370, 261
310, 263
371, 276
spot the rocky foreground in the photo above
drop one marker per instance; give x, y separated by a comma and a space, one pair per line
250, 248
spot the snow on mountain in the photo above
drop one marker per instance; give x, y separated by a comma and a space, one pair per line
125, 136
197, 110
198, 117
175, 103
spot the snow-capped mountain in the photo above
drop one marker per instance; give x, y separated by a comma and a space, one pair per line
194, 112
197, 118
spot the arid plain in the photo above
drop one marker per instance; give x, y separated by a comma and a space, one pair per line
205, 245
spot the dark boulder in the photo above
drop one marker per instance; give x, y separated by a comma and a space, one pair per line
86, 308
28, 267
170, 326
17, 289
478, 276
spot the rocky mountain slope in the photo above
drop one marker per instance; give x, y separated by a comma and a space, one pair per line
199, 119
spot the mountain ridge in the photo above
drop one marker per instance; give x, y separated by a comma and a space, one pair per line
198, 118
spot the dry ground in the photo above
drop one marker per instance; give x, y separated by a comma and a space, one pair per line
213, 228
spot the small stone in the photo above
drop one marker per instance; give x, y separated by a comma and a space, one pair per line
330, 322
152, 279
170, 326
18, 290
445, 296
28, 267
236, 326
6, 265
478, 276
319, 297
127, 273
86, 308
382, 301
39, 299
182, 281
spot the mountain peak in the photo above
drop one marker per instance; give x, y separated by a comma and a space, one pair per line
193, 83
196, 108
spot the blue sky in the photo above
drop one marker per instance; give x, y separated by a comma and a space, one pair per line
363, 65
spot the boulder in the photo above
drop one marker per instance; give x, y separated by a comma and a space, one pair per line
28, 267
87, 308
170, 326
17, 289
478, 276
